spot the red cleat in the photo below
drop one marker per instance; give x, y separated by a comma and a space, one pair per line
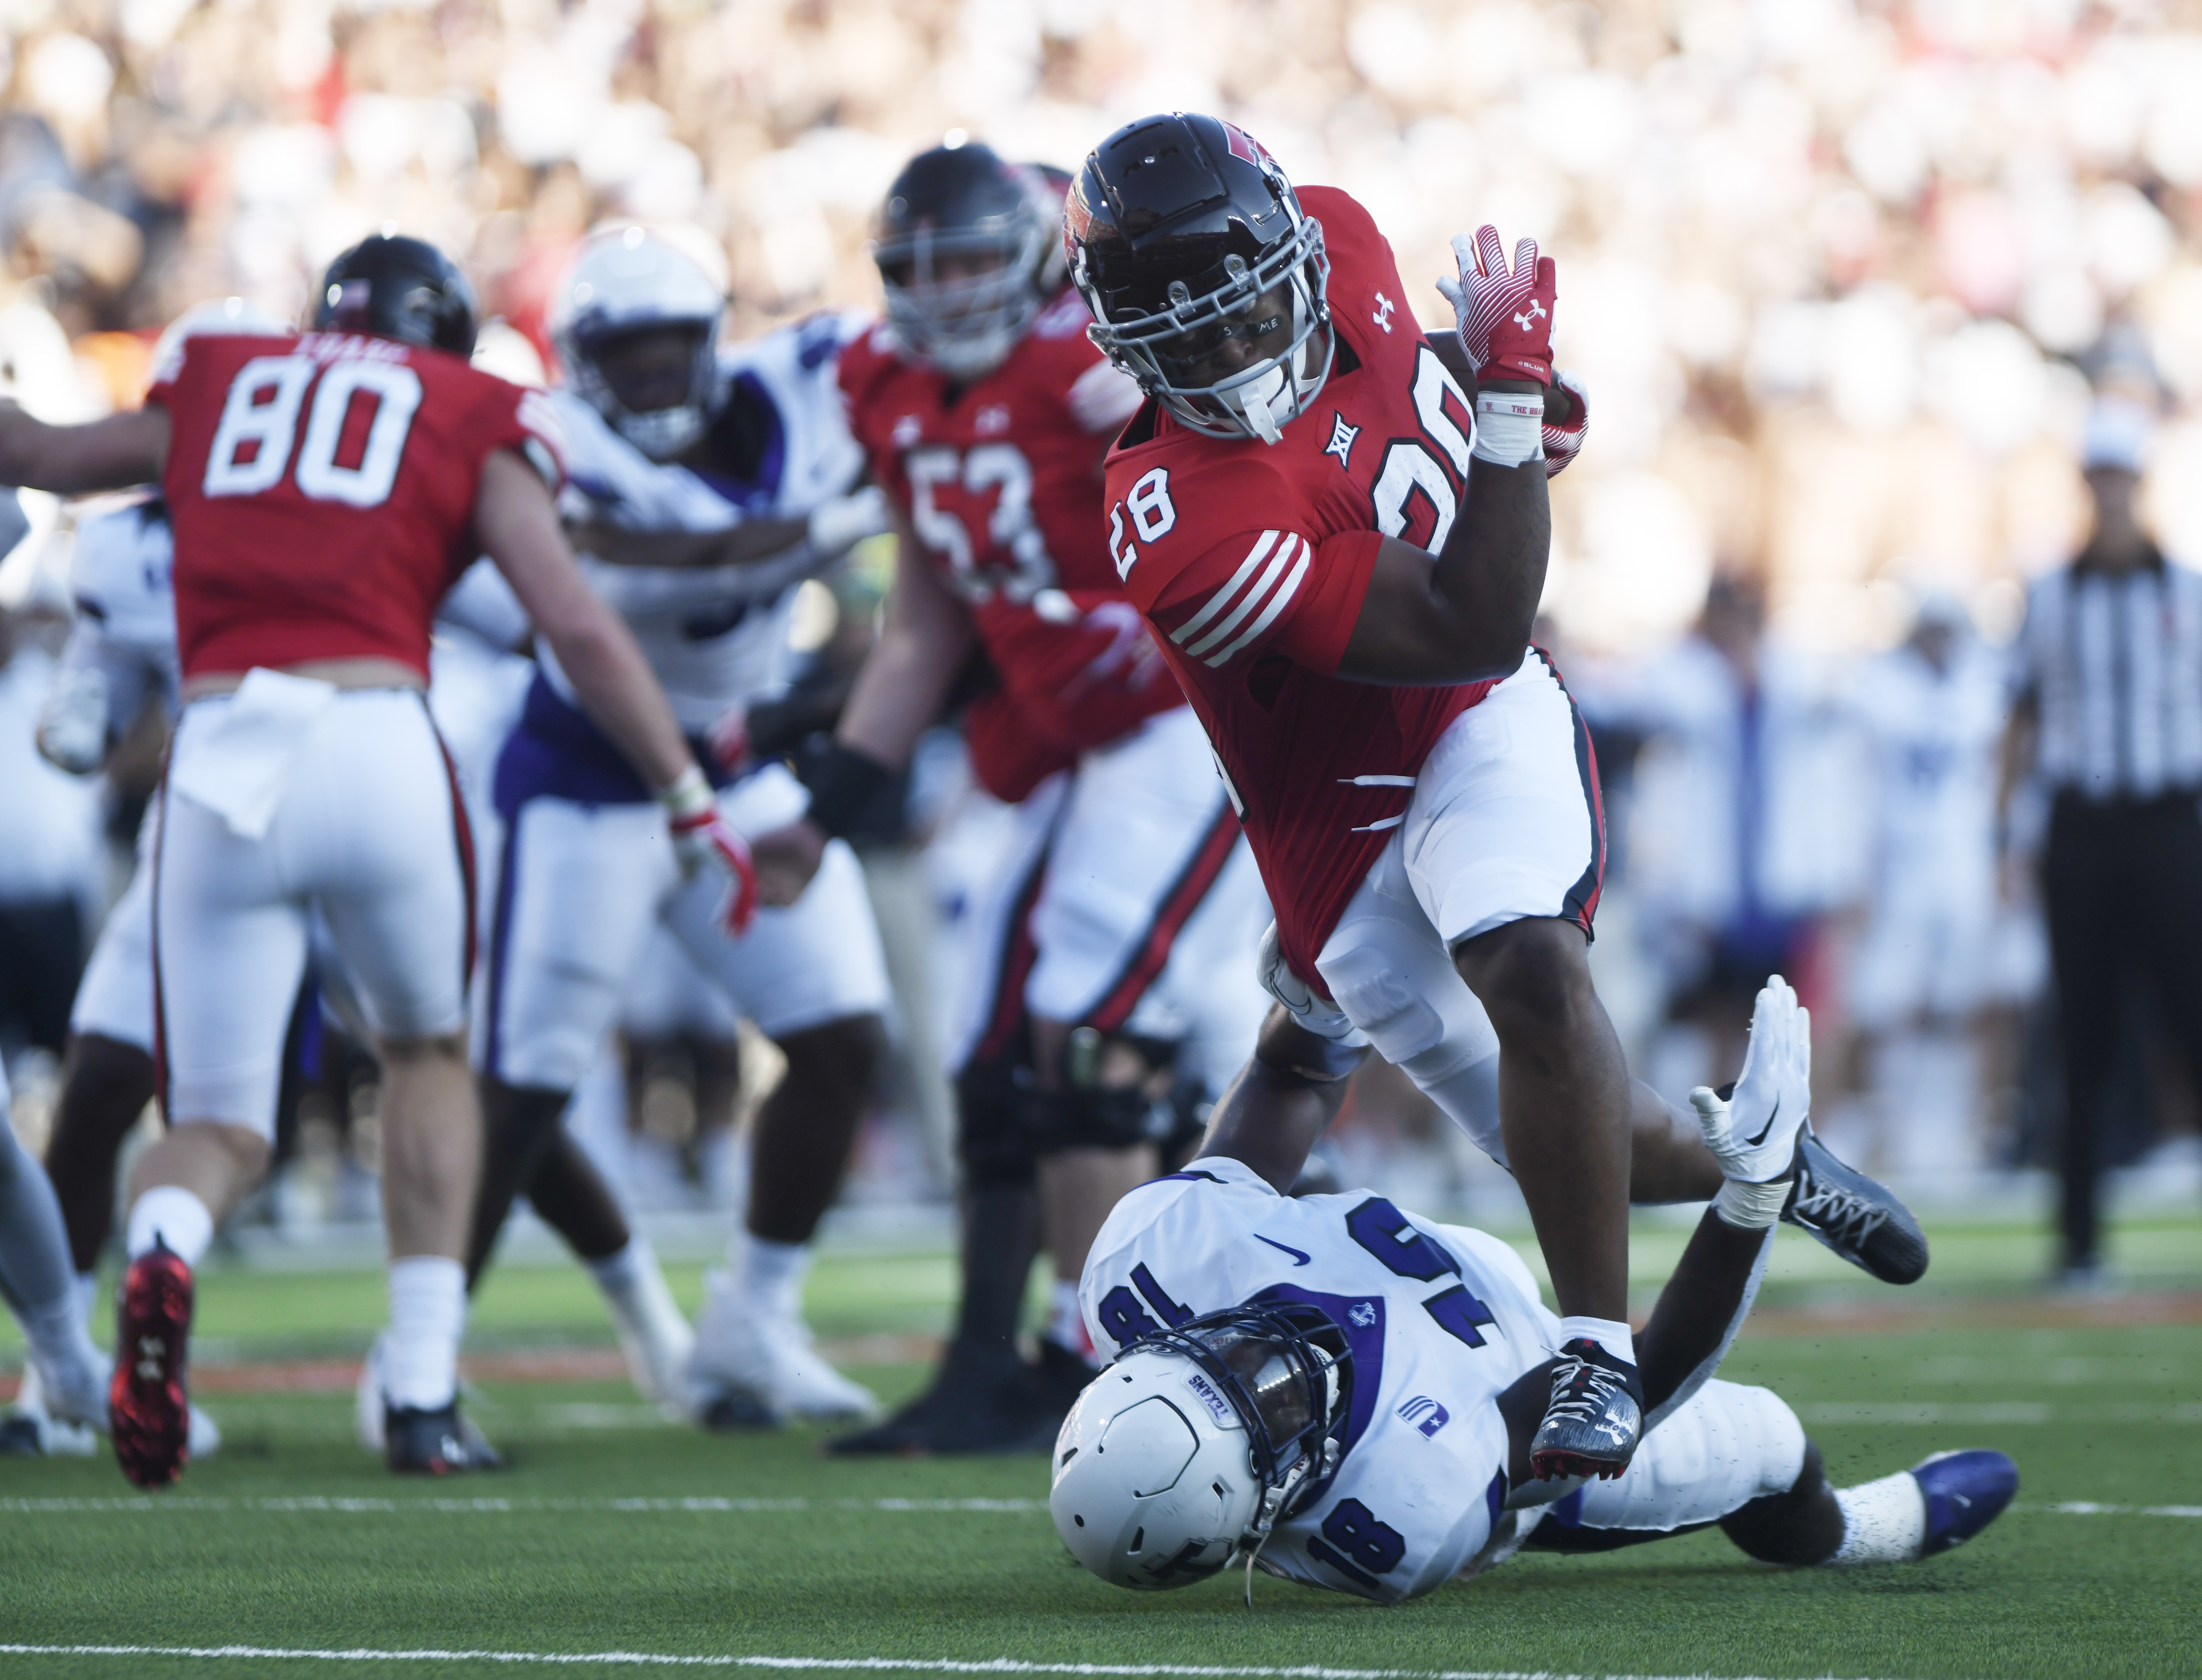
149, 1415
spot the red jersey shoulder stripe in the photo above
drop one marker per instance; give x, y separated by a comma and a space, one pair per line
1286, 554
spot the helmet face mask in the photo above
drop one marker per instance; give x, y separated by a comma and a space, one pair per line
636, 324
1185, 1453
1183, 234
965, 246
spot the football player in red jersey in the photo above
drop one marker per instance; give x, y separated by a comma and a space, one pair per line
1115, 947
326, 489
1340, 554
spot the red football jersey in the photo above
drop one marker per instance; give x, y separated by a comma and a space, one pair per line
1001, 482
322, 489
1251, 561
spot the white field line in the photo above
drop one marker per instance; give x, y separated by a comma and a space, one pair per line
317, 1503
313, 1502
1994, 1411
830, 1665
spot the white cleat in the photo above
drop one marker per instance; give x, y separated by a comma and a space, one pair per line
743, 1346
655, 1340
367, 1425
202, 1439
32, 1421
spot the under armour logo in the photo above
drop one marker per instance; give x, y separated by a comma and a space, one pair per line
1524, 317
1363, 1313
991, 420
908, 430
1382, 313
1341, 440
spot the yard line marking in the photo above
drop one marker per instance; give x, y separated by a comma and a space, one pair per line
866, 1665
2083, 1507
317, 1502
1996, 1411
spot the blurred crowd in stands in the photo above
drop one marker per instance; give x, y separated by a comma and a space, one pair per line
1844, 279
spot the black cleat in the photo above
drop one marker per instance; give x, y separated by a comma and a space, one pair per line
731, 1411
418, 1442
1854, 1216
1595, 1416
989, 1406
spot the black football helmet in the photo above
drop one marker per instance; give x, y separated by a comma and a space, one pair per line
1181, 232
997, 220
391, 287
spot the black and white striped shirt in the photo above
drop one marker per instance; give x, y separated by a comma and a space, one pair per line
2115, 666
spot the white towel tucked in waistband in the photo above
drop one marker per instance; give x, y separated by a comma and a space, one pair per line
233, 752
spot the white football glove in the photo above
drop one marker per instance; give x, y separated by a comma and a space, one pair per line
1753, 1133
1321, 1016
73, 722
847, 520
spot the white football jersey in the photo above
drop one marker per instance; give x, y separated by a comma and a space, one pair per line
717, 635
1441, 1319
120, 577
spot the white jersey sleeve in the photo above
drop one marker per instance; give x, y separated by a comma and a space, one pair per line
1441, 1321
121, 578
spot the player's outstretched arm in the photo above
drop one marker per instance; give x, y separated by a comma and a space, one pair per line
741, 544
1276, 1108
519, 528
924, 640
111, 454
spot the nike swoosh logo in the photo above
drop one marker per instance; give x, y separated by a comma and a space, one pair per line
1299, 1258
1755, 1142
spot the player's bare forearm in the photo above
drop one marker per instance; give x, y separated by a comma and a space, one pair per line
1277, 1108
519, 530
1466, 617
111, 454
735, 545
926, 636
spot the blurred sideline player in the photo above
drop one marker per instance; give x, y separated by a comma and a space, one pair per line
326, 489
1934, 709
1127, 905
1344, 587
703, 486
1350, 1396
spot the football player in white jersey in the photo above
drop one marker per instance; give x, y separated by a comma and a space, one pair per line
1346, 1393
704, 484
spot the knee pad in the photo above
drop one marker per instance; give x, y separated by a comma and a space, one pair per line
993, 1138
1089, 1115
1400, 1021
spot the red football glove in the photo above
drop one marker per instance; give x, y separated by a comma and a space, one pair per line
701, 839
1564, 440
1504, 316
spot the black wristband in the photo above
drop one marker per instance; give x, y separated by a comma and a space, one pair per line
843, 782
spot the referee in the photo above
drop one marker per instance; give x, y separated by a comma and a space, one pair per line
2108, 714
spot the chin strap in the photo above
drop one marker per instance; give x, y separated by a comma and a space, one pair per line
1274, 1501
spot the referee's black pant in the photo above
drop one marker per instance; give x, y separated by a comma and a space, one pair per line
2122, 882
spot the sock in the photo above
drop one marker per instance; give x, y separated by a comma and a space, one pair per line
1067, 1328
1884, 1522
772, 1273
633, 1283
175, 1217
74, 1371
427, 1315
1611, 1333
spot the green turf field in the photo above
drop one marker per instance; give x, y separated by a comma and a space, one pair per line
614, 1532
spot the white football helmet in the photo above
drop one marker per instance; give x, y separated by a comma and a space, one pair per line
627, 280
1186, 1450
